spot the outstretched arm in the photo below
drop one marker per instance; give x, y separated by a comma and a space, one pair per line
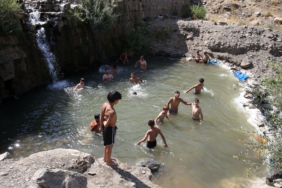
185, 102
137, 63
168, 103
102, 118
202, 117
165, 145
145, 137
75, 89
191, 88
156, 120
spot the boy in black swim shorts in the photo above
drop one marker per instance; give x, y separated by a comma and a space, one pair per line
153, 133
109, 126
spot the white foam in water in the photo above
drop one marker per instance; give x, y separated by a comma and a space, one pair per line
208, 91
138, 89
222, 75
59, 85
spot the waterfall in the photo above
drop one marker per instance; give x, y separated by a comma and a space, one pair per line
44, 46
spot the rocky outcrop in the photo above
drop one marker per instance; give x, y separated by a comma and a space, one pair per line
62, 168
227, 43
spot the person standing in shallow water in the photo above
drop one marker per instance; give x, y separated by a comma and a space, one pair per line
198, 87
197, 111
134, 79
109, 126
107, 76
80, 86
143, 64
174, 102
152, 134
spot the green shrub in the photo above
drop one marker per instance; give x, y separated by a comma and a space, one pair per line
186, 11
199, 11
162, 32
99, 14
9, 17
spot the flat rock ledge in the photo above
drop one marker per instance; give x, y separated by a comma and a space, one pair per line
70, 169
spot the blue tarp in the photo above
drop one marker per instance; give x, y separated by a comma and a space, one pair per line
214, 62
241, 76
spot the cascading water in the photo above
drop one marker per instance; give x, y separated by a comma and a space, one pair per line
44, 46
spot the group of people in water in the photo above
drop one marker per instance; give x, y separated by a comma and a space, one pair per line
105, 122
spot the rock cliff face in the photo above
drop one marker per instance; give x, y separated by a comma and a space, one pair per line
72, 169
245, 46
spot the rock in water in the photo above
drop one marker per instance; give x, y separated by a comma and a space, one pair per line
5, 155
46, 178
271, 176
151, 164
246, 64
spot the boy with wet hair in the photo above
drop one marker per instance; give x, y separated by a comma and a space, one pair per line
205, 59
197, 111
109, 126
198, 87
134, 79
175, 101
198, 57
143, 64
152, 134
80, 86
162, 115
95, 125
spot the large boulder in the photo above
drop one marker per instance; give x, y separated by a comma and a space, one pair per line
153, 165
278, 20
56, 178
5, 155
246, 64
254, 22
271, 176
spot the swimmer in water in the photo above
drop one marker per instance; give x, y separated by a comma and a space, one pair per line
197, 111
80, 86
109, 126
198, 87
198, 57
152, 134
162, 115
175, 101
205, 59
114, 69
134, 79
95, 124
143, 64
107, 76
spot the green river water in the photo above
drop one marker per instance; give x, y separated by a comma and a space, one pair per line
56, 116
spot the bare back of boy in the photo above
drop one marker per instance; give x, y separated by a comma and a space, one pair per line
153, 133
198, 88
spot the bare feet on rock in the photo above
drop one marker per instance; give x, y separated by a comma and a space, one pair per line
112, 163
113, 159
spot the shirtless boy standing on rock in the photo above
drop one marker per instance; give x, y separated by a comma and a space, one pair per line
109, 126
134, 79
197, 111
175, 103
198, 87
143, 64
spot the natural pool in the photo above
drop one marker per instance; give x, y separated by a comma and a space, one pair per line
198, 156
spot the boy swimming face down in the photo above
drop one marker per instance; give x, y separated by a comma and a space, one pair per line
174, 102
152, 135
109, 126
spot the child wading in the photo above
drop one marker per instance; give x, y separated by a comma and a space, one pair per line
162, 115
109, 126
152, 133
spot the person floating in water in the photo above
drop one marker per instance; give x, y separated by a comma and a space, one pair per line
205, 59
198, 87
95, 124
122, 58
143, 64
107, 76
134, 79
109, 126
162, 115
152, 134
114, 69
80, 86
134, 93
198, 57
175, 103
197, 111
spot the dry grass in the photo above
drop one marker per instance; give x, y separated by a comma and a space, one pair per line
268, 14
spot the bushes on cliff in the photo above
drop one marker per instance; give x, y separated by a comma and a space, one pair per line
9, 17
99, 14
196, 10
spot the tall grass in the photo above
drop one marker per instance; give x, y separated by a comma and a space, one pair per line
9, 17
195, 10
